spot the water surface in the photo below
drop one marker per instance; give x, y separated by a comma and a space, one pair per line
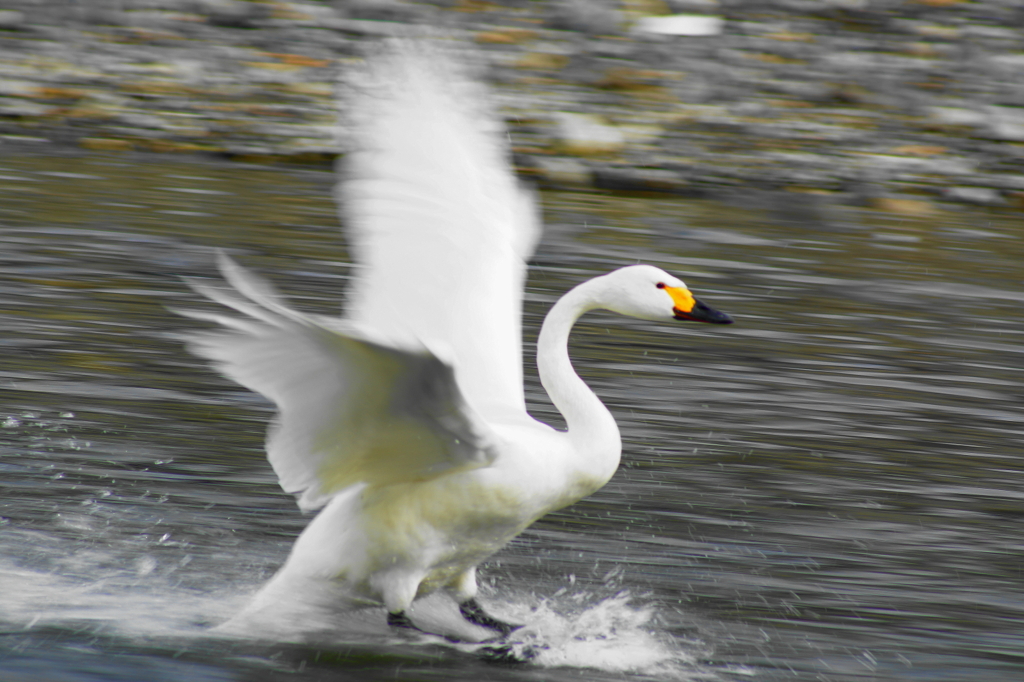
830, 489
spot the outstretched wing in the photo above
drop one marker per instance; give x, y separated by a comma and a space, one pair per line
438, 222
349, 410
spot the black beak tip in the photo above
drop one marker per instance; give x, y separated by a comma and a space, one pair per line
721, 318
703, 313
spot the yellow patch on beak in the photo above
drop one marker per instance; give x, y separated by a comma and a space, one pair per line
682, 299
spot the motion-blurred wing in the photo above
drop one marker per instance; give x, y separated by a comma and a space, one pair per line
438, 223
349, 410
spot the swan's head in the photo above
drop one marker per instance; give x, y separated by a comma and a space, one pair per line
650, 293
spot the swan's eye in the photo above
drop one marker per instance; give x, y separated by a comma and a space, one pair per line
661, 285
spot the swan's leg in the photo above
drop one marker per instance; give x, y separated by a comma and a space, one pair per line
399, 589
463, 586
464, 589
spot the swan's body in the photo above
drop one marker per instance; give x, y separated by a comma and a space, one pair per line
406, 422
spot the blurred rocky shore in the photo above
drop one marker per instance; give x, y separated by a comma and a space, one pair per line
896, 104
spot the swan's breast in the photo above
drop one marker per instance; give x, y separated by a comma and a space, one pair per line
466, 514
454, 514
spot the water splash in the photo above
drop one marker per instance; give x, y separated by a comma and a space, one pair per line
31, 599
84, 555
584, 630
612, 634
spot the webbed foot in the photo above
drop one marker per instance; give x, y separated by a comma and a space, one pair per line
504, 653
400, 620
474, 613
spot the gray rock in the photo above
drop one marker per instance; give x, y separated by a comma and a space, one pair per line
11, 19
808, 90
149, 18
956, 116
587, 134
366, 27
620, 178
147, 121
1008, 64
982, 196
700, 6
692, 25
1006, 123
233, 13
596, 17
562, 171
17, 88
1003, 181
380, 10
21, 108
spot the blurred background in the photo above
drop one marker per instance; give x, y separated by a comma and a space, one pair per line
829, 489
893, 103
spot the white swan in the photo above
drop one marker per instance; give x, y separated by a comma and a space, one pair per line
406, 421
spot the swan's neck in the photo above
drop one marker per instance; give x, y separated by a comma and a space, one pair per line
592, 429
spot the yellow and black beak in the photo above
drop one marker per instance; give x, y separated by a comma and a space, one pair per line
686, 307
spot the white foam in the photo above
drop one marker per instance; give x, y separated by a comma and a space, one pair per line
569, 629
581, 630
150, 608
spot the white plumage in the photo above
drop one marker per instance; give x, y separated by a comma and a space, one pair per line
405, 421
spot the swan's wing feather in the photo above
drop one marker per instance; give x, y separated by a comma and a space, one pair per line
349, 410
438, 222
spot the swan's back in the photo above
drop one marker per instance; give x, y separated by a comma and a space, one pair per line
438, 223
